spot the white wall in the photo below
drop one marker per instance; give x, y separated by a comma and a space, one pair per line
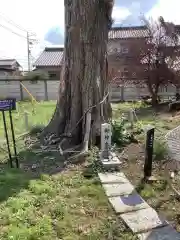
11, 88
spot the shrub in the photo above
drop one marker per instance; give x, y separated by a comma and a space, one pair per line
36, 75
160, 150
120, 136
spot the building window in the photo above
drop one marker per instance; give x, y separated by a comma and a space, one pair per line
125, 50
119, 50
33, 81
125, 73
7, 81
52, 75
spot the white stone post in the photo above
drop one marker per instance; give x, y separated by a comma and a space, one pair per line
105, 137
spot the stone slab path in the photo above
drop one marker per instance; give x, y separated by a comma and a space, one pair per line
135, 212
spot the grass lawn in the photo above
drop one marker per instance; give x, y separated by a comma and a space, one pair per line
63, 206
159, 195
47, 199
50, 200
38, 114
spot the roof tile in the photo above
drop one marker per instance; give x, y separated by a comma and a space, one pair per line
128, 32
50, 57
7, 62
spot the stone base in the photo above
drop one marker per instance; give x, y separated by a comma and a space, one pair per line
112, 163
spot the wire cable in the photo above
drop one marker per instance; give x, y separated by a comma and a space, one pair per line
10, 30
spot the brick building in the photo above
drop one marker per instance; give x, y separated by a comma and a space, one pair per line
122, 46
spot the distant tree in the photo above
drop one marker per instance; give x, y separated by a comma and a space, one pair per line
36, 75
159, 56
155, 61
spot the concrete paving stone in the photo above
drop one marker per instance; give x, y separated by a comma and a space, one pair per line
116, 189
143, 220
132, 202
114, 177
163, 233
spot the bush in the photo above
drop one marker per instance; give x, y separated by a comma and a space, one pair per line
160, 150
120, 136
36, 75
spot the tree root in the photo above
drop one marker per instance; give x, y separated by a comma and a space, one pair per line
79, 157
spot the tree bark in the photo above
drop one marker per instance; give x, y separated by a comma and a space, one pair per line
84, 81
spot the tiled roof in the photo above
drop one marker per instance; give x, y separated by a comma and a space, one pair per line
51, 56
128, 32
8, 62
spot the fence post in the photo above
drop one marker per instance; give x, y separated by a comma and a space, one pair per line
45, 91
21, 91
122, 93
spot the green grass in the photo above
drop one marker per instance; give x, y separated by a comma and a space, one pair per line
38, 114
158, 194
52, 202
62, 206
161, 119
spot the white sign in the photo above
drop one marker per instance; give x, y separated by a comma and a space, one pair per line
105, 136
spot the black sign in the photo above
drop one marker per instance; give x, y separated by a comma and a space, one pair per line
8, 104
149, 153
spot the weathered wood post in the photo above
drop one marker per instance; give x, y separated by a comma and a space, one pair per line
148, 152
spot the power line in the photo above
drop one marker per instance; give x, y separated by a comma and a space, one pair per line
29, 41
10, 30
8, 20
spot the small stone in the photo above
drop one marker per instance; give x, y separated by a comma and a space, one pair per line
172, 175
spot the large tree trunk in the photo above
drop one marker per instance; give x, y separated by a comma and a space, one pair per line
83, 101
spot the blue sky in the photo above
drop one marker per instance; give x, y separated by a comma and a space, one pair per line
46, 19
129, 9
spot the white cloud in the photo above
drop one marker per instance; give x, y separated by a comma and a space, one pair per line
120, 13
168, 9
36, 16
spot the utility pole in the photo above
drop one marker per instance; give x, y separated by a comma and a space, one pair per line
28, 53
